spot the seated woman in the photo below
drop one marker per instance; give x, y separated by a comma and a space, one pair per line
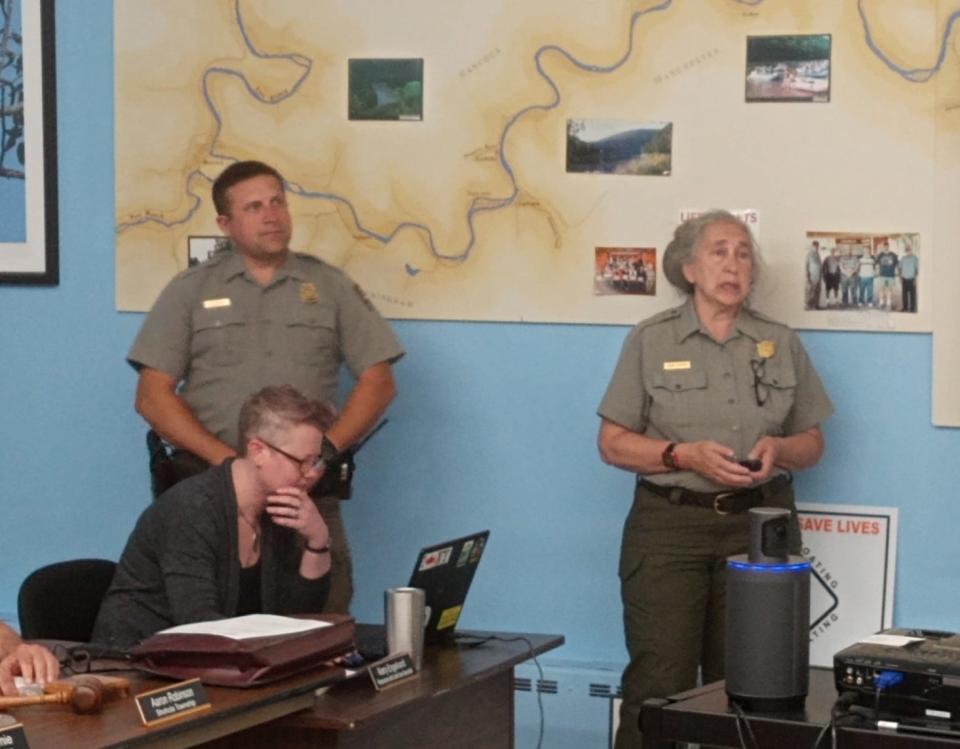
243, 537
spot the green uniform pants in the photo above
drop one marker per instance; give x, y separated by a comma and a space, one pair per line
672, 582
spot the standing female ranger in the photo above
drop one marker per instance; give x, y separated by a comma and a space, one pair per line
711, 405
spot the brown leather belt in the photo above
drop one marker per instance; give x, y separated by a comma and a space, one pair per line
723, 503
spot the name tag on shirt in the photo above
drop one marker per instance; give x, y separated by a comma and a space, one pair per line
670, 366
214, 303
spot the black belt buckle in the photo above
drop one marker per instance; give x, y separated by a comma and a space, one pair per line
716, 503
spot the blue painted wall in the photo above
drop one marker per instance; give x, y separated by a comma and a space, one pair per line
494, 427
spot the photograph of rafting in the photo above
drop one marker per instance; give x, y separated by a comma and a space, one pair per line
788, 68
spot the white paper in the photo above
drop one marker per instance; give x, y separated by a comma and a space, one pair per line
896, 641
247, 627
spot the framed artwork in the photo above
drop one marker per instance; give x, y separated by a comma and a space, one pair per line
29, 235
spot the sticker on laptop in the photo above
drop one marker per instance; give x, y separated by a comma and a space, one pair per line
449, 617
436, 558
477, 551
465, 553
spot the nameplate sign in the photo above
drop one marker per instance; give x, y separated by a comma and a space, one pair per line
13, 737
392, 670
172, 702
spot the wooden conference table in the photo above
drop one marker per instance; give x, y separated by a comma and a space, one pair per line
703, 716
463, 697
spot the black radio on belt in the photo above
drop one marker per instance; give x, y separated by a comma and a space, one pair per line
337, 479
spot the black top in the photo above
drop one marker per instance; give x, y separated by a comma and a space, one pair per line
248, 602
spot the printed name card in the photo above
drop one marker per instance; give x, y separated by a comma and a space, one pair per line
392, 670
169, 703
13, 737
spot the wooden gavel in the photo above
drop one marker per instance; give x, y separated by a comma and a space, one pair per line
84, 694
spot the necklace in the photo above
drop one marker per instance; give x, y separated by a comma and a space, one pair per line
254, 529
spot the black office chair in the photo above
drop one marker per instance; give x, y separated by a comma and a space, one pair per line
61, 601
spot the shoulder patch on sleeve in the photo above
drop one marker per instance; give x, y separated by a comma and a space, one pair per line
665, 316
191, 270
212, 262
363, 297
312, 258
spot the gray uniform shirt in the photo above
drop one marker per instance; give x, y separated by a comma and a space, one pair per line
226, 337
675, 382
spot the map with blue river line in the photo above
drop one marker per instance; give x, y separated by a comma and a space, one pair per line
470, 212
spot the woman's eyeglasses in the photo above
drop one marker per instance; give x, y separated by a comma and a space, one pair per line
760, 388
305, 464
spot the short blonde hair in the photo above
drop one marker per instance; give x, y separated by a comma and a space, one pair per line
274, 410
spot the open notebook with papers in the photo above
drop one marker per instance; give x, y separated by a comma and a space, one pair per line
444, 572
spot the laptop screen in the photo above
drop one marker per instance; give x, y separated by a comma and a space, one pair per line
444, 572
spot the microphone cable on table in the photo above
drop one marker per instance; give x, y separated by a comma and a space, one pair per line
472, 641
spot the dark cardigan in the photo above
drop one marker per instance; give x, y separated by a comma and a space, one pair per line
181, 565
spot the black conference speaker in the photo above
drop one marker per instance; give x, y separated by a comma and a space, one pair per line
768, 619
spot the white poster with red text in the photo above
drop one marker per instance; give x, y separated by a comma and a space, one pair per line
853, 557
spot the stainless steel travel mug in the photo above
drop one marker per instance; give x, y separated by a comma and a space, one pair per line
405, 616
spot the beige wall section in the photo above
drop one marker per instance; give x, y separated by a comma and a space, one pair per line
946, 328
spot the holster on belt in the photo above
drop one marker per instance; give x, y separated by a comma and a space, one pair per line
337, 479
169, 467
162, 475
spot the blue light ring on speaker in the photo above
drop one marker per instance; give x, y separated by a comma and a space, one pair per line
739, 566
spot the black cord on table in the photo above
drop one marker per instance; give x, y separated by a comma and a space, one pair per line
837, 713
472, 641
743, 721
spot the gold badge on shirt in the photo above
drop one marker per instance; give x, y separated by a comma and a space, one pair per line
766, 349
309, 293
672, 366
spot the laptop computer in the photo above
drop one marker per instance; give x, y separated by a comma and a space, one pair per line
444, 572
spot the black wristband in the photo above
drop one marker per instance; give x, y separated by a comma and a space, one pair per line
322, 550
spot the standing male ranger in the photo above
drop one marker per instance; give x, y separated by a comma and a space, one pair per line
255, 316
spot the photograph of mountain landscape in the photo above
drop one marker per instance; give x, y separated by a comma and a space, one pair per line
384, 89
619, 147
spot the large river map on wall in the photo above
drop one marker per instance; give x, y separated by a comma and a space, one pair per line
480, 185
